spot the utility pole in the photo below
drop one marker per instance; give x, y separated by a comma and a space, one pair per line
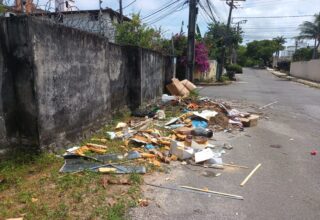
121, 11
233, 56
232, 6
193, 11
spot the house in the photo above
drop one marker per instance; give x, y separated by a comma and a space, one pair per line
66, 13
95, 21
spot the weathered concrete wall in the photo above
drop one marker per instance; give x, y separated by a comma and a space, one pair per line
18, 91
152, 73
71, 79
61, 82
309, 70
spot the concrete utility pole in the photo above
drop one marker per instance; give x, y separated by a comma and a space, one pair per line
121, 11
232, 6
193, 11
233, 56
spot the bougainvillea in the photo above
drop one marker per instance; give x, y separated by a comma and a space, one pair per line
201, 57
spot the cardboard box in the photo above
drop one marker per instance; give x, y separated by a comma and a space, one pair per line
189, 85
177, 88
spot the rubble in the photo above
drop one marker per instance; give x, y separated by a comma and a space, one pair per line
177, 127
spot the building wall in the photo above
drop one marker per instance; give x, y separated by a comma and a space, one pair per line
63, 83
210, 75
309, 70
87, 21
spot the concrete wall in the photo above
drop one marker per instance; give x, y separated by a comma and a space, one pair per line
61, 83
309, 70
210, 75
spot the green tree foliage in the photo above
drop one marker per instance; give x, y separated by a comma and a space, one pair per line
311, 30
219, 36
280, 41
262, 50
137, 34
303, 54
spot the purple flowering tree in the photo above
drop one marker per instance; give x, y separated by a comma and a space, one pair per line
201, 57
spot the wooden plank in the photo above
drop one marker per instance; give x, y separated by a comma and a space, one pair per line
213, 192
250, 175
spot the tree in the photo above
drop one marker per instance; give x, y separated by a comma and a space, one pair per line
280, 41
303, 54
219, 36
262, 50
137, 34
311, 30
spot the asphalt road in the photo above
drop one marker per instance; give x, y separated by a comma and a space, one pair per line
287, 186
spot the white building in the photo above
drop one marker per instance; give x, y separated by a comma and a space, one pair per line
65, 5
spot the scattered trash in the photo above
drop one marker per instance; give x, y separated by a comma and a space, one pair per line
272, 103
208, 173
275, 146
167, 98
143, 202
175, 128
161, 115
314, 152
199, 124
33, 200
189, 85
227, 146
251, 173
250, 121
203, 155
177, 88
199, 131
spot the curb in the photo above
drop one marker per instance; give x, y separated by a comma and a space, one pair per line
294, 79
214, 84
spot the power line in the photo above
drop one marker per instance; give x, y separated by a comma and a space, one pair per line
289, 16
161, 9
168, 13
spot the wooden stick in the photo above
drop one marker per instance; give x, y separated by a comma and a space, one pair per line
234, 165
249, 176
213, 192
272, 103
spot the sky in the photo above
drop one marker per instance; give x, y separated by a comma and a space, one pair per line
171, 18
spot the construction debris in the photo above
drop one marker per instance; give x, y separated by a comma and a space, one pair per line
177, 127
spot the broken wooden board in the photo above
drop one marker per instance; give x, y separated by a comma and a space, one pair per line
251, 121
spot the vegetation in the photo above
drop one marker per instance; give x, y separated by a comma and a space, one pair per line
303, 54
135, 33
280, 41
236, 68
311, 30
219, 37
284, 65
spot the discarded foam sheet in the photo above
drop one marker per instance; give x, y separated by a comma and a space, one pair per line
203, 155
206, 114
180, 151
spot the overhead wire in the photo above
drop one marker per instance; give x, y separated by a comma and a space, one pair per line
160, 10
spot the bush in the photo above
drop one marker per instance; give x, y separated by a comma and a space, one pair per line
284, 65
303, 54
234, 68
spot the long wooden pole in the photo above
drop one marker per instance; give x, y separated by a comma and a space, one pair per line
213, 192
249, 176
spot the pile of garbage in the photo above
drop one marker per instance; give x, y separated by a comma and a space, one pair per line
151, 137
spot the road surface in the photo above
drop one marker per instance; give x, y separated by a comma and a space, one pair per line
287, 186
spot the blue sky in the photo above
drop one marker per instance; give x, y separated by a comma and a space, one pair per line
255, 29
